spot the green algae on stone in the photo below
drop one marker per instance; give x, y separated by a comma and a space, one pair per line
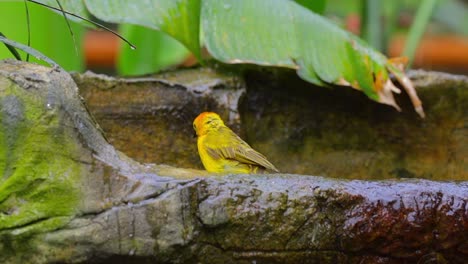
39, 173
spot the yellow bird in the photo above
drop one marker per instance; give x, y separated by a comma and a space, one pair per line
222, 151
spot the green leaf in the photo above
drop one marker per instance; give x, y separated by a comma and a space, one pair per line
317, 6
453, 14
178, 18
274, 32
283, 33
73, 11
49, 33
28, 50
76, 7
418, 27
12, 49
156, 51
371, 26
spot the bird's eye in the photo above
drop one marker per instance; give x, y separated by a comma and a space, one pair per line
208, 122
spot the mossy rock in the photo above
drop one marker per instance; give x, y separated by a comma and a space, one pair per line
67, 196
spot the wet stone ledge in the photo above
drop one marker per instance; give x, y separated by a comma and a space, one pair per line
334, 132
68, 196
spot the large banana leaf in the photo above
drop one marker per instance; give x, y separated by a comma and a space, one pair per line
267, 32
178, 18
76, 7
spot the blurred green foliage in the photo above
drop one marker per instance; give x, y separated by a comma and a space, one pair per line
49, 34
379, 19
157, 51
317, 6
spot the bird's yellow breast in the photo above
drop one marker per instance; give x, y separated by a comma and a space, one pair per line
209, 163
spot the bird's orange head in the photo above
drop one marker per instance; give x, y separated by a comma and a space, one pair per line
206, 122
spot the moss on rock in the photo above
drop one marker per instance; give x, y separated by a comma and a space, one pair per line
67, 196
39, 173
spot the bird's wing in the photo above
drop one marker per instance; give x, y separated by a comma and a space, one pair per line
231, 146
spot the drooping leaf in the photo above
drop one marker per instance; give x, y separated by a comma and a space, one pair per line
283, 33
29, 50
28, 23
178, 18
11, 48
68, 24
274, 32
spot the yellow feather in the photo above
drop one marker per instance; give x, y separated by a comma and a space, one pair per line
222, 151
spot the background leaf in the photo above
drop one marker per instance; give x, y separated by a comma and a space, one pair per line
76, 7
317, 6
275, 33
177, 18
454, 14
49, 34
29, 50
417, 29
12, 49
371, 25
155, 52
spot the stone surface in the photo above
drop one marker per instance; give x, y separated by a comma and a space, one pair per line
126, 212
335, 132
150, 118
